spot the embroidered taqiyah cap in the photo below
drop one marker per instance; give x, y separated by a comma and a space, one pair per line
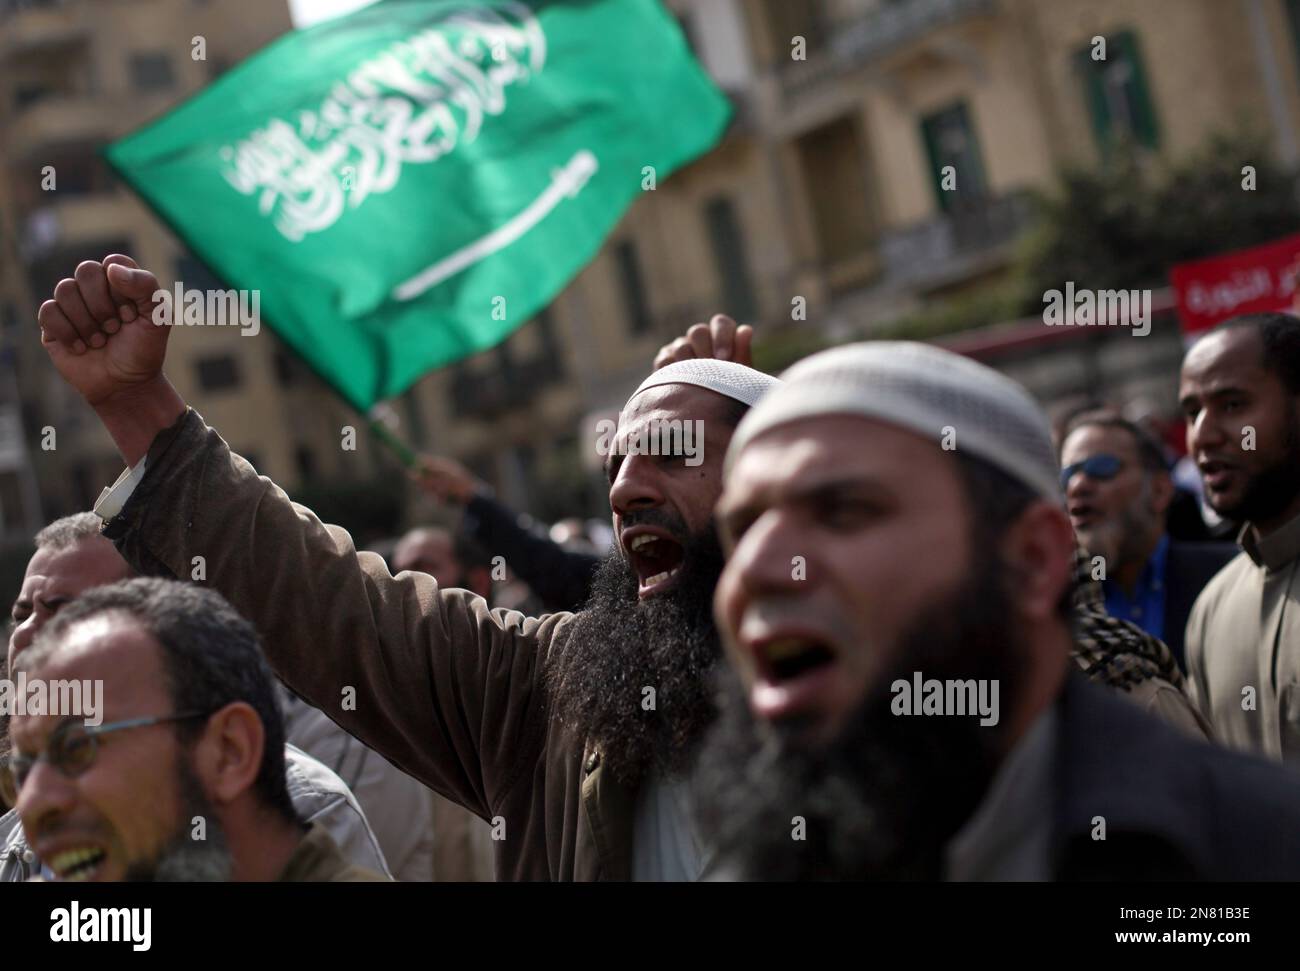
744, 384
921, 388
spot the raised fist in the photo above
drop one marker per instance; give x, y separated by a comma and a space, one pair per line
98, 329
719, 338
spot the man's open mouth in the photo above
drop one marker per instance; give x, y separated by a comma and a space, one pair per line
78, 864
1082, 514
1216, 475
790, 657
657, 559
794, 674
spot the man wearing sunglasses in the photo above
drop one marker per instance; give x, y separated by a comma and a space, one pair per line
185, 777
1117, 492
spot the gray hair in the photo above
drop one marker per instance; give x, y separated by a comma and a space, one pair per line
68, 531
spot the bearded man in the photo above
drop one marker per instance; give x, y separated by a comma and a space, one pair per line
181, 777
570, 733
1240, 392
904, 704
1117, 492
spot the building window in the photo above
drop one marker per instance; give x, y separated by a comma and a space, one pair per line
834, 170
195, 275
460, 388
728, 244
80, 172
505, 360
286, 368
1119, 101
50, 263
151, 72
551, 355
29, 94
218, 372
786, 20
635, 305
950, 141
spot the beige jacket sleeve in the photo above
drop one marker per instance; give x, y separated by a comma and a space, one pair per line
1160, 698
432, 679
1194, 651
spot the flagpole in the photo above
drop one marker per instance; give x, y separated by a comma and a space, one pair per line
404, 453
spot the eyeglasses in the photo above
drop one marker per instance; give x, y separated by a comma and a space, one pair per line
72, 749
1102, 466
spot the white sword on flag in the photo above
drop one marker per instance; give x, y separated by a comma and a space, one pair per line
566, 182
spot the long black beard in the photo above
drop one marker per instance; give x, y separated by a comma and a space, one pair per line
619, 646
184, 859
882, 800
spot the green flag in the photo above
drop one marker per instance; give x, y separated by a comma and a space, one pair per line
406, 185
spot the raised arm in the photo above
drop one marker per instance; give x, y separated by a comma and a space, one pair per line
562, 578
431, 679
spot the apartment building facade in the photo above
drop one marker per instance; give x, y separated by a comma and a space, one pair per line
879, 157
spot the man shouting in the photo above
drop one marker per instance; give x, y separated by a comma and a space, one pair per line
905, 705
572, 733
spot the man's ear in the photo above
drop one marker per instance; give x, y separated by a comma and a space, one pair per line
1038, 550
228, 756
1162, 493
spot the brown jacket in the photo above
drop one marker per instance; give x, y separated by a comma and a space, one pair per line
447, 689
318, 859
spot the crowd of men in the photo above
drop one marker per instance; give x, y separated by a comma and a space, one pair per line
882, 626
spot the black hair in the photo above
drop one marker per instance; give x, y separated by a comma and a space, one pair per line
1280, 336
211, 658
996, 500
1148, 449
734, 411
469, 553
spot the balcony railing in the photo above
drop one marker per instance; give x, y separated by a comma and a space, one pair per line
874, 35
948, 247
31, 26
56, 121
70, 222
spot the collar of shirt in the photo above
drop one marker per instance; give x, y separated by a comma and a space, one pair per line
1146, 607
1275, 550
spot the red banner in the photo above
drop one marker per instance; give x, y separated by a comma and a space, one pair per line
1249, 281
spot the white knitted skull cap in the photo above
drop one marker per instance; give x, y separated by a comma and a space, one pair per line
737, 381
924, 389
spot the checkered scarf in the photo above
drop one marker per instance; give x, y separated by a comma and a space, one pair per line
1113, 651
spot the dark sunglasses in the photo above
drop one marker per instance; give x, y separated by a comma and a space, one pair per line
1102, 466
72, 749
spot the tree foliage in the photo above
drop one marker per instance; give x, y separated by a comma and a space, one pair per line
1125, 223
